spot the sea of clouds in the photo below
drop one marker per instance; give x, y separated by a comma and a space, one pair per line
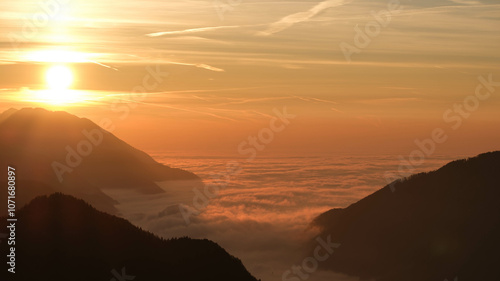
262, 215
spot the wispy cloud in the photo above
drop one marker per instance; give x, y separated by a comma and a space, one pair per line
387, 100
337, 110
292, 19
199, 65
466, 2
251, 100
315, 99
186, 109
2, 61
89, 61
191, 30
209, 67
103, 65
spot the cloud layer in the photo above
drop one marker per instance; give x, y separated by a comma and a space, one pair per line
262, 216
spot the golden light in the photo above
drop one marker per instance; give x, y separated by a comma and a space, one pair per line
57, 98
59, 77
57, 56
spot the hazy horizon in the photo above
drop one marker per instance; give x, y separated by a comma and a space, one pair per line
263, 214
214, 72
305, 106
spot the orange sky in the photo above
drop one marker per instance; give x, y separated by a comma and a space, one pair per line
213, 79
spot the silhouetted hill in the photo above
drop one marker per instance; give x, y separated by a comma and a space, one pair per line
75, 156
437, 225
62, 238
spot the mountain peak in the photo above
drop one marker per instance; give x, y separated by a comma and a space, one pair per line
75, 155
6, 114
434, 226
63, 236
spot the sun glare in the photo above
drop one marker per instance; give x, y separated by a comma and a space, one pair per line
59, 77
57, 56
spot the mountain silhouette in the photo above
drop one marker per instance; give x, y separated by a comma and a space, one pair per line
62, 238
57, 151
434, 226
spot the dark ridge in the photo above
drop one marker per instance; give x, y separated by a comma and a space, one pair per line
59, 237
435, 226
35, 139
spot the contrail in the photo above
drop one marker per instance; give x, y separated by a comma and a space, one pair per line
292, 19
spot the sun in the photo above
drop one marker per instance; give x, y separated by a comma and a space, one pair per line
59, 77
